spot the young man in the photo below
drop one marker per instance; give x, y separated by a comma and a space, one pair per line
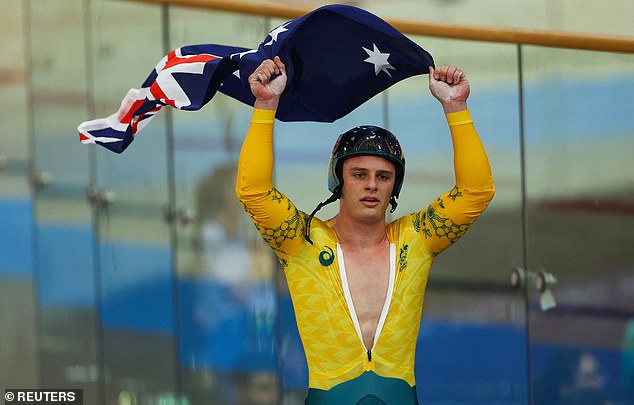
357, 282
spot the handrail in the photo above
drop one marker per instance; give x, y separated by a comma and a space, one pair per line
557, 39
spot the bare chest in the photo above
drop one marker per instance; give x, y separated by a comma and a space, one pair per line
368, 274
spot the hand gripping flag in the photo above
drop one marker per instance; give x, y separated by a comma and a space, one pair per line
337, 57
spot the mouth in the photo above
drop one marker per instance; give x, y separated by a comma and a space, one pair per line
370, 201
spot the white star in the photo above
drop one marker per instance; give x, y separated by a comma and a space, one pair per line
276, 32
241, 54
379, 60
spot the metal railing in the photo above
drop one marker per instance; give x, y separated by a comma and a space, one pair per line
557, 39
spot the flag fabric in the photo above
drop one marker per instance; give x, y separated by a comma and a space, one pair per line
337, 57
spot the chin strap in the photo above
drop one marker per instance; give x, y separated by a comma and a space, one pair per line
334, 197
393, 203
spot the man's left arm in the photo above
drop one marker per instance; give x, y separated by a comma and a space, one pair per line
449, 217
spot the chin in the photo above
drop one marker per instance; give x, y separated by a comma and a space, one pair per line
373, 216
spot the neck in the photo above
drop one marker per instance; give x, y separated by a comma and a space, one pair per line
359, 234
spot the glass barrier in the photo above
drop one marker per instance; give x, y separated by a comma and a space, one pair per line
470, 301
64, 257
135, 272
579, 195
141, 279
227, 290
18, 312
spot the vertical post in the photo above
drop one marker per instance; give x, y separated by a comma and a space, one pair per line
524, 213
95, 211
173, 231
31, 170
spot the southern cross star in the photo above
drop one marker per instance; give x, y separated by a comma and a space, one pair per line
379, 60
240, 55
277, 31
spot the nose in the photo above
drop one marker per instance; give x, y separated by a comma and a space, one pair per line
372, 184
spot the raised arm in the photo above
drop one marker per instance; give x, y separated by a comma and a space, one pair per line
275, 217
255, 167
447, 218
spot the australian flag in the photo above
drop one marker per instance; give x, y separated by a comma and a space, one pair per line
337, 57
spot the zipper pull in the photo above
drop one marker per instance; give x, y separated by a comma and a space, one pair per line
369, 355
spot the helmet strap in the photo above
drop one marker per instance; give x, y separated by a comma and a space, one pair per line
393, 203
334, 197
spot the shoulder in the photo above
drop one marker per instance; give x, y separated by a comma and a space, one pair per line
306, 255
321, 232
401, 225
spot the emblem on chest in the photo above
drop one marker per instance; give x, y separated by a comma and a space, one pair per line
326, 256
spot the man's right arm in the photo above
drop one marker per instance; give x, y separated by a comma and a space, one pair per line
255, 167
276, 218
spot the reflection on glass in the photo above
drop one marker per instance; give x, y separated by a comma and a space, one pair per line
580, 194
136, 294
226, 273
227, 276
229, 304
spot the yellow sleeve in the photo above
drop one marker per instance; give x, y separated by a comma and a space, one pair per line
449, 217
274, 215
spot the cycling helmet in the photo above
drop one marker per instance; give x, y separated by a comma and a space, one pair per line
366, 140
361, 141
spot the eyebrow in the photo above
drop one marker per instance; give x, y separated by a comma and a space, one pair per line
365, 169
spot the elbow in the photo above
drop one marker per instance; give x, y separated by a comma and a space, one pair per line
482, 193
487, 192
481, 200
247, 193
241, 188
245, 184
241, 191
487, 187
484, 189
490, 192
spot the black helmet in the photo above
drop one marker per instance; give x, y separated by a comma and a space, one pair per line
362, 141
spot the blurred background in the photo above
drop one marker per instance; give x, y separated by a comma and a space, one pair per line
139, 278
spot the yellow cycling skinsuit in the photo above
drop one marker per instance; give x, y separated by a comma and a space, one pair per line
341, 369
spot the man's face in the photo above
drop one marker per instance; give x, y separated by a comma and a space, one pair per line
367, 186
